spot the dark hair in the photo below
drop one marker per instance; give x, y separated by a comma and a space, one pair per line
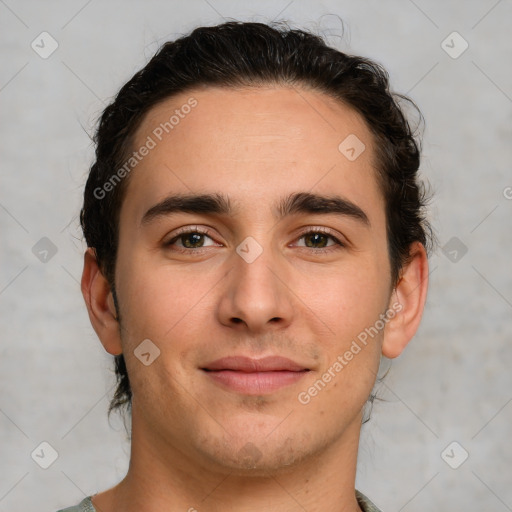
239, 54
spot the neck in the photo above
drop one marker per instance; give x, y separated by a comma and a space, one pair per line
162, 477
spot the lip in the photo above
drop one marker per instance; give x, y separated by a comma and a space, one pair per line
254, 376
250, 365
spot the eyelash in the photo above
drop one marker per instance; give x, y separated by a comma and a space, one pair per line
309, 231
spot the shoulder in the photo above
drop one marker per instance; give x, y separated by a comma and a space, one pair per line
84, 506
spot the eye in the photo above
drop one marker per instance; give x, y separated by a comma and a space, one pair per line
190, 239
318, 238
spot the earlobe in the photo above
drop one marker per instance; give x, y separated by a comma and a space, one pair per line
411, 294
100, 304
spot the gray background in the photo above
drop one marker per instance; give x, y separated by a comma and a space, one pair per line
453, 383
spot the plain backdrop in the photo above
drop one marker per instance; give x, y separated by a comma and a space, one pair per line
448, 396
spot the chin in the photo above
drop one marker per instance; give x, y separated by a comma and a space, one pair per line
258, 456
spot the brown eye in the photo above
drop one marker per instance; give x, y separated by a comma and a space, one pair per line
313, 239
190, 240
318, 239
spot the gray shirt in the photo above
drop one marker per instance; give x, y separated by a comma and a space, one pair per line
86, 505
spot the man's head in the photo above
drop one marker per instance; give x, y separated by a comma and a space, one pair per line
255, 193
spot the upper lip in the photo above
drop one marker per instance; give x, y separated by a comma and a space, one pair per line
251, 365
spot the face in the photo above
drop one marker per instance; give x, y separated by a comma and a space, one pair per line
255, 297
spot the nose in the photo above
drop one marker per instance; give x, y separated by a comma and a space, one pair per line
255, 295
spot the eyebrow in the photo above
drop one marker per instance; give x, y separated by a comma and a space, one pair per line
219, 204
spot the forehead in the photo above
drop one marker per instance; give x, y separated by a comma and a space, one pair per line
252, 144
269, 118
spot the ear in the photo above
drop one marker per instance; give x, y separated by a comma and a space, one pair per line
408, 301
100, 304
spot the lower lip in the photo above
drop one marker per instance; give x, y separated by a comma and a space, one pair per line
255, 383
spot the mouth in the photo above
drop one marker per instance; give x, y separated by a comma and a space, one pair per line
254, 376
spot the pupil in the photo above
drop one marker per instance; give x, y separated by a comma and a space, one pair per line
197, 238
315, 237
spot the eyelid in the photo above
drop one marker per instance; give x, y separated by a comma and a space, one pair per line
190, 229
319, 229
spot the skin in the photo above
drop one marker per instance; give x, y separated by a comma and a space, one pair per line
195, 444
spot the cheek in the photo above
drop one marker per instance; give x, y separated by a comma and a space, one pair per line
347, 299
352, 304
159, 298
159, 305
351, 307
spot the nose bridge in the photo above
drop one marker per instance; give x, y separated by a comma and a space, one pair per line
254, 272
256, 294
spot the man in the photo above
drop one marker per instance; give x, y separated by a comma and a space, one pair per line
256, 241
